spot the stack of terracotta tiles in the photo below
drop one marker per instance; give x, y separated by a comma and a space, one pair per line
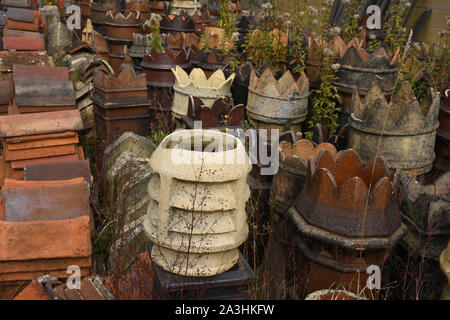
38, 137
5, 96
44, 229
24, 27
42, 89
9, 58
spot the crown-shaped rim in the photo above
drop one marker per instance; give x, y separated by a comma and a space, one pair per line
215, 57
181, 40
198, 79
283, 39
198, 17
286, 87
346, 203
358, 57
126, 17
337, 44
168, 56
404, 109
177, 23
297, 155
341, 176
127, 78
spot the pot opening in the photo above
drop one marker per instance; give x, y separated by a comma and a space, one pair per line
202, 143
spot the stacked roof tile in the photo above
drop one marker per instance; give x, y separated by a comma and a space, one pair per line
34, 217
39, 137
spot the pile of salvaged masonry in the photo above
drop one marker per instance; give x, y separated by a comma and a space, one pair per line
339, 204
44, 178
45, 198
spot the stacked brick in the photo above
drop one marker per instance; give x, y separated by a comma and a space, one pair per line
38, 137
42, 89
34, 217
25, 27
50, 288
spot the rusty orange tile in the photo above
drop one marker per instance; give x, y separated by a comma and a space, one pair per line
41, 73
42, 239
34, 291
39, 123
14, 183
33, 109
20, 276
80, 153
12, 108
7, 171
25, 19
46, 201
41, 143
29, 44
20, 164
43, 265
20, 14
39, 137
51, 151
9, 58
51, 93
5, 92
58, 171
22, 34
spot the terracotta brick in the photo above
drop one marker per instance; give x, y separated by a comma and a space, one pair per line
20, 164
20, 276
5, 92
12, 184
54, 95
43, 239
42, 143
43, 265
41, 73
8, 171
58, 171
9, 58
39, 123
37, 137
34, 291
21, 34
52, 151
30, 44
37, 25
46, 201
8, 290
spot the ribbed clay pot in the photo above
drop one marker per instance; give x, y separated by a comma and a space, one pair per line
196, 215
